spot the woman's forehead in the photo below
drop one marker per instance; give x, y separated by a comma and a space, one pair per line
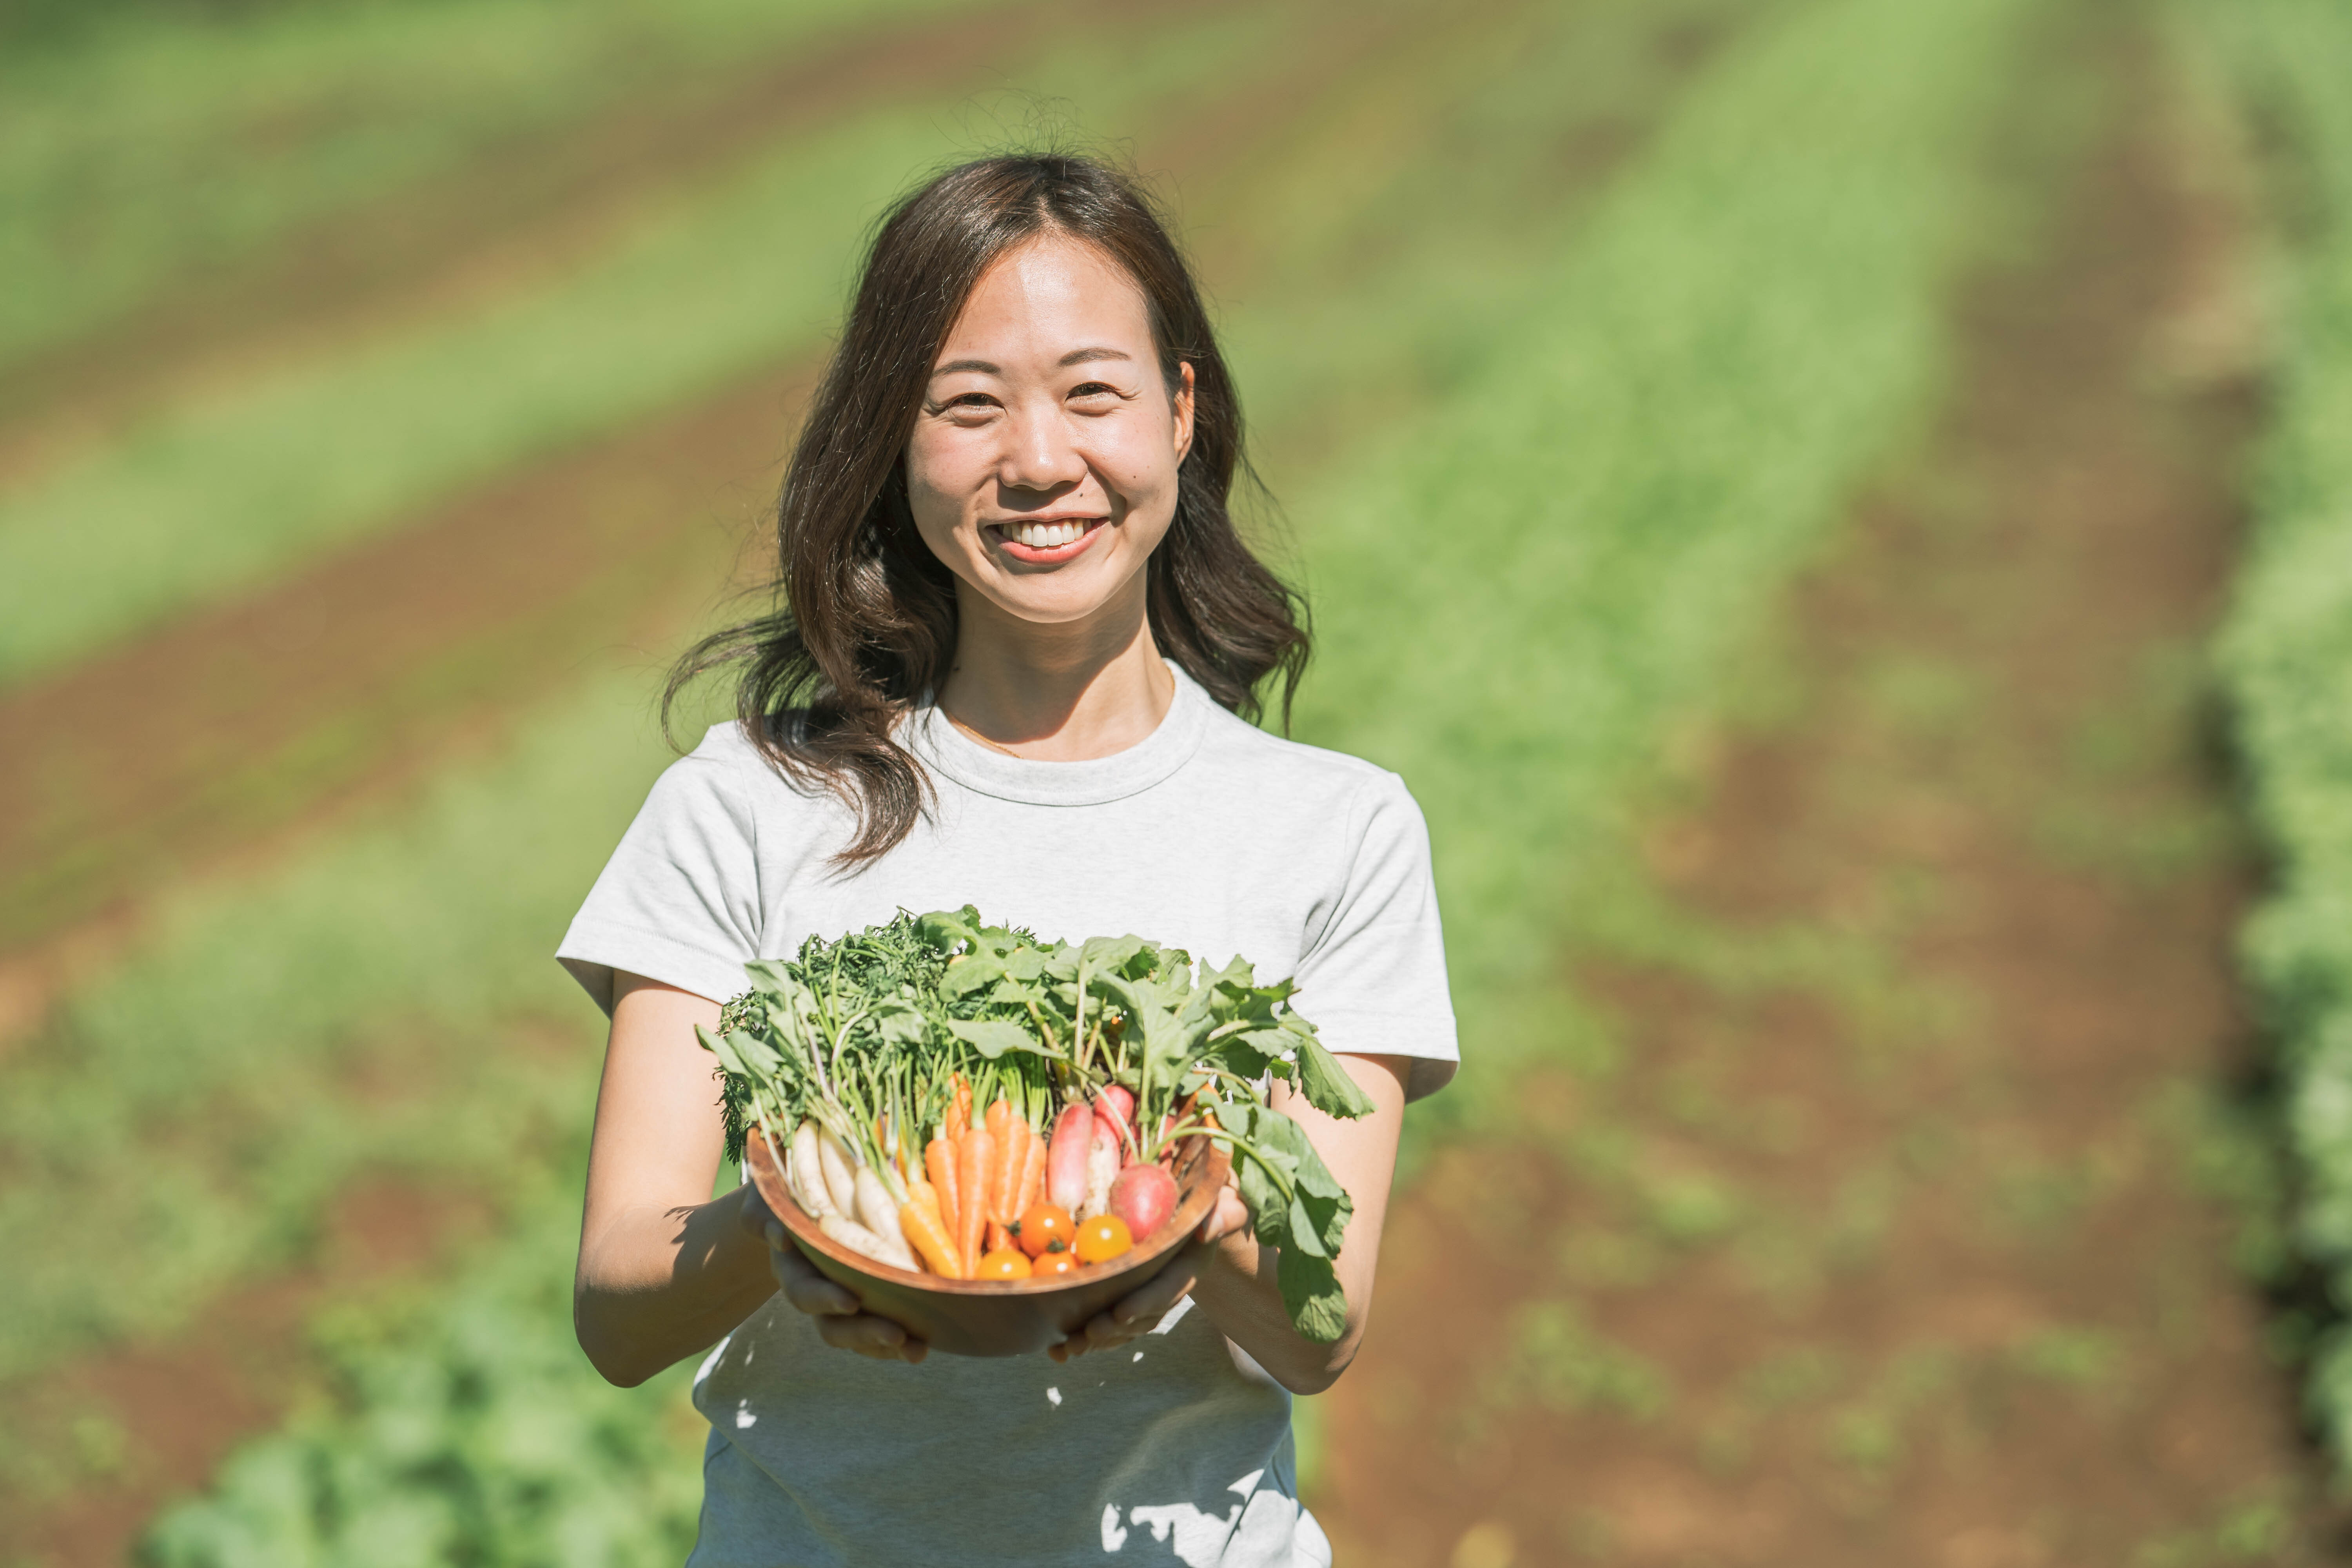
1047, 302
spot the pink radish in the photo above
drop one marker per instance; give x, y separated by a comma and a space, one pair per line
1118, 1104
1144, 1196
1065, 1158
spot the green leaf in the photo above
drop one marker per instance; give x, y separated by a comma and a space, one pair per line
1011, 993
759, 1057
1239, 1055
900, 1021
1115, 955
1327, 1084
944, 928
1310, 1289
969, 972
720, 1046
1269, 1212
992, 1038
1315, 1218
771, 977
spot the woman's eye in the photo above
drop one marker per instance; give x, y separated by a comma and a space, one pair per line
1093, 389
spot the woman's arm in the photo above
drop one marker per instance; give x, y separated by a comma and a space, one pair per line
664, 1270
1232, 1279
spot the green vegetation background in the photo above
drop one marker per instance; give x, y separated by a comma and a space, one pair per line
1647, 398
2287, 650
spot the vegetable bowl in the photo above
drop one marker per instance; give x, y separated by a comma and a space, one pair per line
995, 1316
989, 1138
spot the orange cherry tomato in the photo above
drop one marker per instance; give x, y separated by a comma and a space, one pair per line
1102, 1238
1005, 1263
1053, 1265
1043, 1227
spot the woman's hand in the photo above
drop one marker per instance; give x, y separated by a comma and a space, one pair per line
1138, 1311
841, 1322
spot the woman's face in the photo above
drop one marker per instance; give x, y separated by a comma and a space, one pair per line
1043, 466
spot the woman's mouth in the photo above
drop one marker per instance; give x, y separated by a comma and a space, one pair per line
1046, 541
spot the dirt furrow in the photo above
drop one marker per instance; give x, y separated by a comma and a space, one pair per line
247, 723
141, 1425
1891, 1237
232, 736
515, 215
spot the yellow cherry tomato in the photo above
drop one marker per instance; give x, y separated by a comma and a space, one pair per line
1102, 1238
1005, 1263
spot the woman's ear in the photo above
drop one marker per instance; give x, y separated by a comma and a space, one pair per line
1183, 402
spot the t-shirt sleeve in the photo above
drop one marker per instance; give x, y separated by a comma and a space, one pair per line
680, 901
1374, 979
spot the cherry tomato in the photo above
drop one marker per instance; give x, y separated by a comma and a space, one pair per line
1053, 1265
1102, 1238
1005, 1263
1045, 1227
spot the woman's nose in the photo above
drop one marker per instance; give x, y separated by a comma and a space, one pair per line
1039, 454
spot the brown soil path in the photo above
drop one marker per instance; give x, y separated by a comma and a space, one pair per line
141, 1425
357, 672
361, 671
517, 212
1880, 1240
258, 721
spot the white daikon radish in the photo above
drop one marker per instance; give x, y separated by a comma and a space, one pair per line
805, 1173
1102, 1168
880, 1216
857, 1239
840, 1172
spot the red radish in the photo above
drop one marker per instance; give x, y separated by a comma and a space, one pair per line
1065, 1161
1116, 1101
1119, 1105
1144, 1196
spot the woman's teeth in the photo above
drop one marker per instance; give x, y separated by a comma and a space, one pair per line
1046, 536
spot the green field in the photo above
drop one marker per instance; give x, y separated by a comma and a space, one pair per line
2287, 650
1571, 334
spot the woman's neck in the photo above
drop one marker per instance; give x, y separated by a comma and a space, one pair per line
1056, 693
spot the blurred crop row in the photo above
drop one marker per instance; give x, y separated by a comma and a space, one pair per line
1568, 331
2286, 652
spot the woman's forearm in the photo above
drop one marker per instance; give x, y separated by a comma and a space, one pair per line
656, 1285
1239, 1293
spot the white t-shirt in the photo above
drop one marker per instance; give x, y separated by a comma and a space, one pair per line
1209, 834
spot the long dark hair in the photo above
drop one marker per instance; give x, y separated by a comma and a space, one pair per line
864, 623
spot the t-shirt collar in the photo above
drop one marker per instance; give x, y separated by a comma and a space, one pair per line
939, 745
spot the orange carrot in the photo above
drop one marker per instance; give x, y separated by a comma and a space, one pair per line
939, 1161
1005, 1173
975, 1153
959, 1112
999, 1238
918, 1217
1032, 1184
999, 1115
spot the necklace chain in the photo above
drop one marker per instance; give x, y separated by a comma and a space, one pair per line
977, 735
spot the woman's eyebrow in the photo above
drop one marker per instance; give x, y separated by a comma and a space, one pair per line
1075, 356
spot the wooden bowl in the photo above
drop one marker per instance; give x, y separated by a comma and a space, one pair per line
996, 1317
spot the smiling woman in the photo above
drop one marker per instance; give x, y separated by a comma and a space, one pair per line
945, 430
1018, 636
